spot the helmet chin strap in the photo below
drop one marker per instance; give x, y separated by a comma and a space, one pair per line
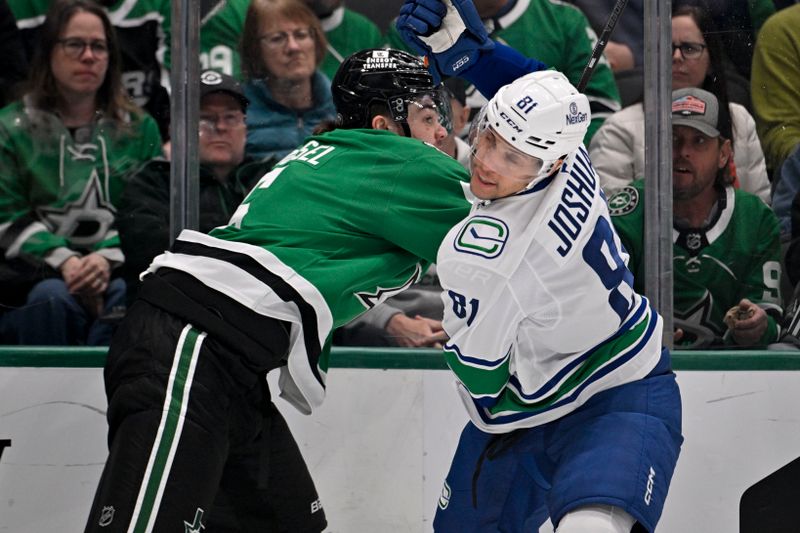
406, 129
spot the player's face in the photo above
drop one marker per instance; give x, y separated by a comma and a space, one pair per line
80, 60
696, 159
222, 131
425, 121
498, 169
288, 49
691, 71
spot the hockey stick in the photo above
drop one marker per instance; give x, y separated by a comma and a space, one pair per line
602, 41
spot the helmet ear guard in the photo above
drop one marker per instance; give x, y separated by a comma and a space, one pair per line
540, 114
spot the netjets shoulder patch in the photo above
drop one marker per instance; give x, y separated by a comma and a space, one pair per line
483, 236
623, 201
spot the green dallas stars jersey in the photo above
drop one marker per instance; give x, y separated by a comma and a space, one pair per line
557, 34
221, 23
736, 256
347, 32
342, 223
58, 190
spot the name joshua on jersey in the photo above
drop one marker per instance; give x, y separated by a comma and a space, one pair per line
576, 203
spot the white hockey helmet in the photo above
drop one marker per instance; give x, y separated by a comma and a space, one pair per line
540, 114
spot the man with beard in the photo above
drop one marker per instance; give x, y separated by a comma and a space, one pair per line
726, 244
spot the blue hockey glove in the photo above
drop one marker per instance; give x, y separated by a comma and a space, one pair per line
448, 32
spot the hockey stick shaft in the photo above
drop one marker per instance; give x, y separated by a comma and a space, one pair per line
602, 41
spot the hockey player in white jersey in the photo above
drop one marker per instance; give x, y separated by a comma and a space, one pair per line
575, 412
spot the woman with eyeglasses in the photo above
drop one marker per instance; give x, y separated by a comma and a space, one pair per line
64, 150
283, 45
617, 149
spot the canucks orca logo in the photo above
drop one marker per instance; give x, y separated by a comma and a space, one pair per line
483, 236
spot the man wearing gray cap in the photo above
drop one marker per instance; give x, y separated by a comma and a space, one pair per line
726, 245
225, 178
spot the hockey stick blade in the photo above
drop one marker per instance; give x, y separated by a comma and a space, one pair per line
602, 41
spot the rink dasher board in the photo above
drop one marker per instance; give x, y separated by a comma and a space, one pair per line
381, 443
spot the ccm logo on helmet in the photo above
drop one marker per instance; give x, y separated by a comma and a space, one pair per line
510, 122
574, 116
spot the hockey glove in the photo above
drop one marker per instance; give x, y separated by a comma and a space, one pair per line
448, 32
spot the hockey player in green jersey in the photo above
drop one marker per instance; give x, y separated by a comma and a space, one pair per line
343, 222
726, 245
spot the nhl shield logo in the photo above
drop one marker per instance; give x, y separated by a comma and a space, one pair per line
106, 516
694, 241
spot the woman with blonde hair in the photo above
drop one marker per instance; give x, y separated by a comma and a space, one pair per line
283, 46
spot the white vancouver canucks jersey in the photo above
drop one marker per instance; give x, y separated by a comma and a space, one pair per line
539, 303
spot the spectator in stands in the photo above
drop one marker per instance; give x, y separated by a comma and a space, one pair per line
225, 178
221, 23
726, 246
617, 151
64, 149
776, 102
140, 30
625, 48
282, 46
345, 30
555, 33
13, 63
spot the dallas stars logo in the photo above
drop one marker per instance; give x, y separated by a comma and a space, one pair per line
371, 299
698, 328
624, 201
197, 525
84, 221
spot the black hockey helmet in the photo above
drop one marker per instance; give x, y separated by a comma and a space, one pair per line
391, 77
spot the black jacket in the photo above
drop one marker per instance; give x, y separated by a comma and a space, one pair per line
143, 212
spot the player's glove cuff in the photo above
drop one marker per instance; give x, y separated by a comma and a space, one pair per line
448, 32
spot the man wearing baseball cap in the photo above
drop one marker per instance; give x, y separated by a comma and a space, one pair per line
225, 178
726, 244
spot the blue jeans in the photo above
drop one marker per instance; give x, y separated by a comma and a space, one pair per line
52, 316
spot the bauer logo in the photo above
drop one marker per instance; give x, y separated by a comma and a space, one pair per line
482, 236
444, 499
